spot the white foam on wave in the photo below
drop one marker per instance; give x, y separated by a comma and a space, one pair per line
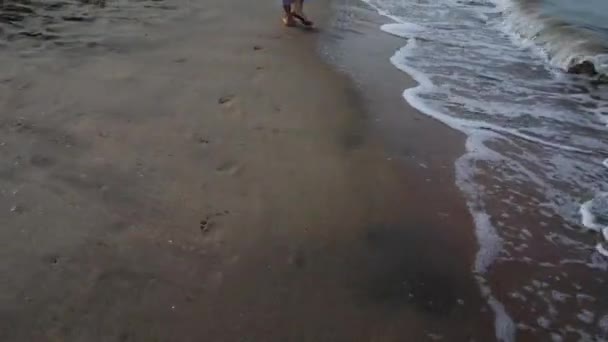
601, 63
594, 211
587, 217
590, 218
601, 249
558, 43
503, 324
603, 323
489, 241
525, 125
425, 85
402, 29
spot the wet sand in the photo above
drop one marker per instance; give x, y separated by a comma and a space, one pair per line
210, 178
546, 275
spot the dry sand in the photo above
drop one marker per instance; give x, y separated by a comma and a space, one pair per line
217, 183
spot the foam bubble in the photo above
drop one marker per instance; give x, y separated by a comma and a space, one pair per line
543, 322
603, 324
599, 260
595, 211
586, 316
600, 248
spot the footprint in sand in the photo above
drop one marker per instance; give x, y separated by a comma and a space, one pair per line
229, 168
210, 221
41, 161
206, 225
200, 139
225, 100
52, 259
232, 107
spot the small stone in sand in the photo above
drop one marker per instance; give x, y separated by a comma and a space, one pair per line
257, 48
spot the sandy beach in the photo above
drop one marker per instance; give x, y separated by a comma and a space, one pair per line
211, 178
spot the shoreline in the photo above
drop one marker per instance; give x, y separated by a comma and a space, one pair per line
541, 263
410, 137
195, 187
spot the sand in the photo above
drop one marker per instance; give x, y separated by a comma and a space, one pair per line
215, 180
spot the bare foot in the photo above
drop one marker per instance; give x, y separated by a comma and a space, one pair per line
302, 18
289, 21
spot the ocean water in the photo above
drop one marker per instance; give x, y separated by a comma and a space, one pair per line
589, 14
534, 174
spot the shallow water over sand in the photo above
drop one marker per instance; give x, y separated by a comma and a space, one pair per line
535, 152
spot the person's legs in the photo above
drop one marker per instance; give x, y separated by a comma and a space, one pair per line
288, 16
298, 6
298, 12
